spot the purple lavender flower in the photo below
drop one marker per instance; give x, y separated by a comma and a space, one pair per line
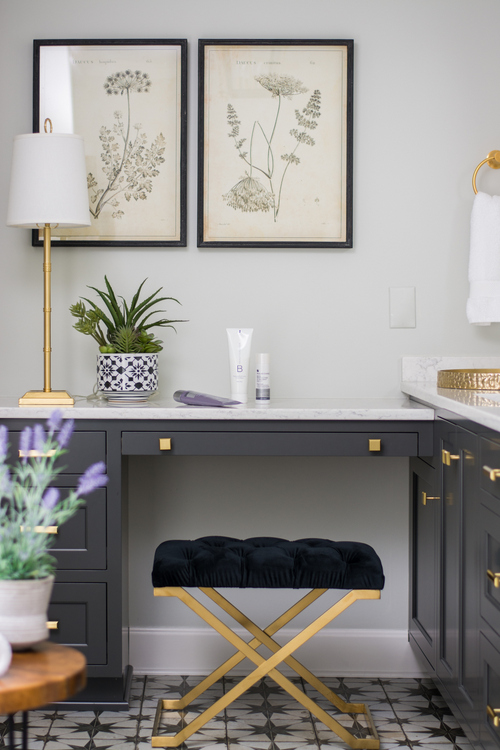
4, 436
39, 438
93, 478
5, 483
25, 442
65, 432
54, 421
50, 498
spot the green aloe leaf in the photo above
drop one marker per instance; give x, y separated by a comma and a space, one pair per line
126, 325
107, 322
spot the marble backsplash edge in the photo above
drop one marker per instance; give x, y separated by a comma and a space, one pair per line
425, 369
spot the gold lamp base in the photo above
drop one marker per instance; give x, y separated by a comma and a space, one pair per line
46, 398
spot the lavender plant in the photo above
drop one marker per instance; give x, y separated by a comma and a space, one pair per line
28, 502
129, 165
249, 194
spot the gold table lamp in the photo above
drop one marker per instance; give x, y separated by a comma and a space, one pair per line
48, 188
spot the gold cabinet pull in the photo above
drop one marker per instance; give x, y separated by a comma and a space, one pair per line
447, 457
492, 474
493, 713
426, 497
36, 454
165, 444
44, 529
53, 625
494, 577
374, 445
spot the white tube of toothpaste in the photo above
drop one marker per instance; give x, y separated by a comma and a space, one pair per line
239, 341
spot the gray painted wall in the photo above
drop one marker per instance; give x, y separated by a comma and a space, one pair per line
426, 112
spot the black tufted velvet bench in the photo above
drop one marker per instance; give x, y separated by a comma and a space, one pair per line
266, 562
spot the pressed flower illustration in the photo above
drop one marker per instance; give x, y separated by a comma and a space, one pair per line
250, 194
128, 163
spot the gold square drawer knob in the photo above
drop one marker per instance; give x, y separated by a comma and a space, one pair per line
165, 444
374, 445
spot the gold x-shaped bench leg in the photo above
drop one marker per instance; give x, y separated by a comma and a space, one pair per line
233, 661
266, 667
262, 637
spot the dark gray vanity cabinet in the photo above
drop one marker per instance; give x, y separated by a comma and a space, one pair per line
460, 573
88, 608
458, 656
489, 590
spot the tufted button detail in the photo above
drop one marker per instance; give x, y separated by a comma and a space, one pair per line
266, 562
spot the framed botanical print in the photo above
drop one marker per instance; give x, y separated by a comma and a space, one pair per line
128, 99
275, 143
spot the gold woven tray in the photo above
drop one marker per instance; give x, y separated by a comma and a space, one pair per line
472, 380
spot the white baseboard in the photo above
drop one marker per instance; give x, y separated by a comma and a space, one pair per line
341, 653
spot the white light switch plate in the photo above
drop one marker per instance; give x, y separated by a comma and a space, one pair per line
402, 312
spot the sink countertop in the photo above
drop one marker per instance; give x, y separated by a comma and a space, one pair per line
420, 383
374, 409
478, 406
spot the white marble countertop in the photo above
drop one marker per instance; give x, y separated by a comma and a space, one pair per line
419, 375
420, 397
371, 409
482, 407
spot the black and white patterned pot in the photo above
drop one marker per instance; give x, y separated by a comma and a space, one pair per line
127, 375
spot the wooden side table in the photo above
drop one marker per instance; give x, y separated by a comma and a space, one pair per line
43, 675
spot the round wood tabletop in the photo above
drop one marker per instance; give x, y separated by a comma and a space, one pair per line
45, 674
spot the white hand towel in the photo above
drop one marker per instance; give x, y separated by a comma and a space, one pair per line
483, 305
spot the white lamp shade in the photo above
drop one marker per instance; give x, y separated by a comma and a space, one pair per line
48, 181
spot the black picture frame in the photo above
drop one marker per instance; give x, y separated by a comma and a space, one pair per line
240, 83
79, 79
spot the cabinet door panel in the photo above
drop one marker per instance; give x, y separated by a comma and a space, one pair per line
469, 561
458, 665
425, 560
490, 461
490, 662
490, 589
450, 550
80, 611
81, 541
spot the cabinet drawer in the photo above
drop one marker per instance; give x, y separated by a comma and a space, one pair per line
85, 448
77, 612
81, 542
490, 702
490, 568
270, 443
490, 467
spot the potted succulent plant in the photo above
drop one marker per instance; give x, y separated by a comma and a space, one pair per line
127, 363
29, 508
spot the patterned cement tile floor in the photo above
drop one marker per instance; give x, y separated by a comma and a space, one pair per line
408, 713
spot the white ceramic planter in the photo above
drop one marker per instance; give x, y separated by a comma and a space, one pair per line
5, 655
127, 376
23, 611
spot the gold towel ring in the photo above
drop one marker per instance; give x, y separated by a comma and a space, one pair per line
492, 160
